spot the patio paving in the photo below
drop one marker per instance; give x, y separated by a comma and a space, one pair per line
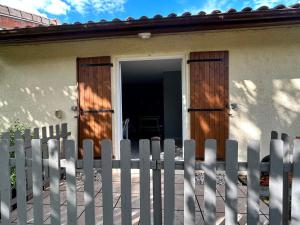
220, 193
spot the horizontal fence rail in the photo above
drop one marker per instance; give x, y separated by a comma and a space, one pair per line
210, 166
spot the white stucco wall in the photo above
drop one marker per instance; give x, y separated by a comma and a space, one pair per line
264, 74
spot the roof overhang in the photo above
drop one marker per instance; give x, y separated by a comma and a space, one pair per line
185, 23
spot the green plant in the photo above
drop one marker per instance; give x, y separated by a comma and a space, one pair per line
17, 126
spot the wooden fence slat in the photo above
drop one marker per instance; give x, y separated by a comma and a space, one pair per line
144, 154
5, 136
89, 202
189, 182
125, 182
57, 131
276, 181
71, 182
21, 182
156, 176
54, 175
106, 147
210, 182
37, 179
253, 157
51, 132
28, 155
285, 196
231, 181
5, 186
45, 154
36, 133
17, 135
295, 215
64, 130
169, 182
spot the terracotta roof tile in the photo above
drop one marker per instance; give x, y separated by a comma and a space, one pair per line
200, 21
262, 8
280, 7
246, 9
143, 18
22, 15
157, 16
186, 14
129, 18
15, 12
172, 15
4, 9
26, 15
216, 12
232, 10
201, 13
295, 6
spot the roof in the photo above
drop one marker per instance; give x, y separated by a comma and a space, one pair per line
232, 19
34, 19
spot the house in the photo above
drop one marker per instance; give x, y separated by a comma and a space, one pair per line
12, 18
233, 74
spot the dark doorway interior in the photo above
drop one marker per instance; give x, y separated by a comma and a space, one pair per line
151, 100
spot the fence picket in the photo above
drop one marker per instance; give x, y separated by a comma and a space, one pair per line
156, 176
71, 182
21, 183
169, 181
253, 156
286, 161
37, 179
28, 155
89, 202
231, 182
106, 147
36, 133
5, 186
45, 155
189, 182
51, 132
295, 215
210, 182
54, 175
144, 154
125, 182
5, 136
276, 182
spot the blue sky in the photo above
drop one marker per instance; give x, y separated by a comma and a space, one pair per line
84, 10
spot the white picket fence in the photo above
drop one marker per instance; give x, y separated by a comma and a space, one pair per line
145, 164
58, 132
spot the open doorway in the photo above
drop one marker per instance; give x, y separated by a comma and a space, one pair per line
152, 100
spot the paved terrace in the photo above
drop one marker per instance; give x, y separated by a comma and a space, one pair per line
242, 202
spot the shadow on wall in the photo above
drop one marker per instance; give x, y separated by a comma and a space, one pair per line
33, 98
264, 105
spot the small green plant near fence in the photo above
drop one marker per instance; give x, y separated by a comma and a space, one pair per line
17, 126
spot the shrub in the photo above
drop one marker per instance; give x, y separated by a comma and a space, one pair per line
17, 126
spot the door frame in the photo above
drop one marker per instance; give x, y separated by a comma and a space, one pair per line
116, 89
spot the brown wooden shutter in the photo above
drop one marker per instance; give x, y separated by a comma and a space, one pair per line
209, 99
95, 109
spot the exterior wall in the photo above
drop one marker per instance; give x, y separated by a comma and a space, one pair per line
264, 67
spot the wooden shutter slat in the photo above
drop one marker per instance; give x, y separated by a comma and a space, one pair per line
94, 94
209, 90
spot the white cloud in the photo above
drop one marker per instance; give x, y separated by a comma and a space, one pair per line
270, 3
109, 6
62, 7
57, 7
211, 5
